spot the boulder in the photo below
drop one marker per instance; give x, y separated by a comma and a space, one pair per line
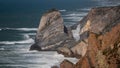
66, 64
52, 33
65, 51
79, 50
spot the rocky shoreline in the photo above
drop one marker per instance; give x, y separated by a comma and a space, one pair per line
96, 42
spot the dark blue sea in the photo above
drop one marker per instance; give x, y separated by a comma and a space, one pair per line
19, 20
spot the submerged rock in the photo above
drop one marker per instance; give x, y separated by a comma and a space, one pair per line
52, 33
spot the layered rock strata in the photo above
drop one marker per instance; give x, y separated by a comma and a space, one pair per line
52, 33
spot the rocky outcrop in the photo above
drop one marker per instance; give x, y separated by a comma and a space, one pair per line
99, 47
103, 50
66, 64
52, 33
99, 43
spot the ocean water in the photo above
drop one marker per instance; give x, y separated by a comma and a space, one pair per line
19, 20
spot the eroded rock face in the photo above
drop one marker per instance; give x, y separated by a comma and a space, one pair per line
102, 19
101, 36
52, 33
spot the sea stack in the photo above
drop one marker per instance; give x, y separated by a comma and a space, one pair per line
52, 33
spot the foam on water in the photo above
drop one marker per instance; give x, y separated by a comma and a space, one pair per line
76, 14
30, 33
63, 10
26, 36
18, 42
73, 18
2, 49
76, 33
86, 9
21, 29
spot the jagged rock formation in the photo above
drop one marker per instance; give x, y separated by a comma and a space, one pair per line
99, 48
99, 43
52, 33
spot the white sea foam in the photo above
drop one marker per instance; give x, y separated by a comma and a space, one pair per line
22, 29
86, 9
29, 33
26, 36
73, 18
2, 49
0, 29
62, 10
76, 14
18, 42
60, 58
76, 33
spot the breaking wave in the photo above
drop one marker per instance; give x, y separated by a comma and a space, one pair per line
21, 29
18, 42
29, 33
73, 18
76, 33
76, 14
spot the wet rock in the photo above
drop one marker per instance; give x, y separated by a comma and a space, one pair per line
52, 33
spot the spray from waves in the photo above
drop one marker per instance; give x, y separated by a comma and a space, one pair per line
76, 33
18, 42
0, 29
62, 10
21, 29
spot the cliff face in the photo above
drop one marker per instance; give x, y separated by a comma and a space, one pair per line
100, 48
99, 43
52, 33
